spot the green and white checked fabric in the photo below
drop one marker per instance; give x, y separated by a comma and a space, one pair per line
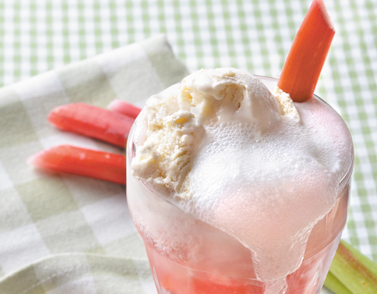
36, 36
46, 221
81, 273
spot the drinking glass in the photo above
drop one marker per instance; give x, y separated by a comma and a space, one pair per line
188, 256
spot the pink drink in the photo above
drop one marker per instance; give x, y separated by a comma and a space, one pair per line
190, 256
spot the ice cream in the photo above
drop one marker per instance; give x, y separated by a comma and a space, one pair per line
179, 118
240, 156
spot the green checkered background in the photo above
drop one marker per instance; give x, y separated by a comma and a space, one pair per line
39, 36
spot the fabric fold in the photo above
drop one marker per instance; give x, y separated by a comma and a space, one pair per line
80, 273
42, 215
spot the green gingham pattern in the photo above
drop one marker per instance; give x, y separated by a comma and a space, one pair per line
81, 273
36, 36
46, 220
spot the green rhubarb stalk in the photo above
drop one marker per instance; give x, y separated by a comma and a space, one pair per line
371, 265
332, 283
353, 271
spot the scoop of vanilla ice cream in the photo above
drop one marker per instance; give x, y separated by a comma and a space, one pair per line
178, 117
226, 94
164, 158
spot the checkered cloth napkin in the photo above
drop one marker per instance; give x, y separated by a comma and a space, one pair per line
71, 234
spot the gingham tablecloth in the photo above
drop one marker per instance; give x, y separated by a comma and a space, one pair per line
37, 36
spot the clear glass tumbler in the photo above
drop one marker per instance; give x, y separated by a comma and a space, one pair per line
188, 256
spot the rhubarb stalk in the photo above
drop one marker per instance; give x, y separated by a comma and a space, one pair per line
353, 271
90, 163
332, 283
92, 121
308, 53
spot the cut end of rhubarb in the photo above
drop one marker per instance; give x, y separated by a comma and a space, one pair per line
124, 108
42, 160
54, 117
325, 14
115, 105
33, 160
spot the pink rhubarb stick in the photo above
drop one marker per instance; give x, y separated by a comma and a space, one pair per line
91, 163
308, 53
125, 108
92, 121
